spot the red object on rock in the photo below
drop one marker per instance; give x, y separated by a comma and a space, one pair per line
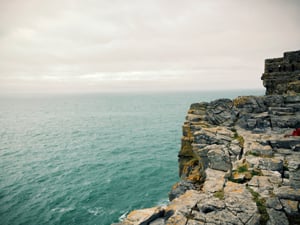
296, 132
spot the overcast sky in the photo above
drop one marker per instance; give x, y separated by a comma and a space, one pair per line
143, 45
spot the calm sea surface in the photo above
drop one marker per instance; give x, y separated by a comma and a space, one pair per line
89, 159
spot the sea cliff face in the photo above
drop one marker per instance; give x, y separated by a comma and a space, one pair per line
238, 163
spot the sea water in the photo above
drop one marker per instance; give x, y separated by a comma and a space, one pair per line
90, 159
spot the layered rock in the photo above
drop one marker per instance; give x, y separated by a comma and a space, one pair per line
243, 141
282, 75
237, 165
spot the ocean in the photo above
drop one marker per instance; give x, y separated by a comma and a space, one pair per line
91, 158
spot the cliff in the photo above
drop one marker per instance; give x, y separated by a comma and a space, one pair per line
238, 163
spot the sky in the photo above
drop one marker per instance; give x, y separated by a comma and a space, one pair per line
55, 46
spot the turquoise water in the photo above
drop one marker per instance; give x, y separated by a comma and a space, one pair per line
89, 159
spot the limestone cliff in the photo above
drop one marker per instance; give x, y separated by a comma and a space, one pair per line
236, 163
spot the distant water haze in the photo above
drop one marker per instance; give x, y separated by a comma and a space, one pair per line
58, 46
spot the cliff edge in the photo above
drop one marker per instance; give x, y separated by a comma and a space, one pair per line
239, 162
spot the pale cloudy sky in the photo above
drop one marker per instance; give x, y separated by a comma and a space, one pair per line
141, 45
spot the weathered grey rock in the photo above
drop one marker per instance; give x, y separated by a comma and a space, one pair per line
271, 164
143, 216
178, 218
182, 206
220, 112
292, 99
219, 158
208, 205
180, 188
274, 100
287, 143
262, 185
290, 207
195, 222
214, 181
296, 148
274, 203
235, 148
258, 149
239, 201
253, 161
222, 217
286, 174
294, 169
159, 221
215, 135
281, 111
272, 175
199, 106
287, 192
277, 217
194, 118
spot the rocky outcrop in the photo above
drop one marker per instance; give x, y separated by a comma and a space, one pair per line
237, 165
282, 75
242, 143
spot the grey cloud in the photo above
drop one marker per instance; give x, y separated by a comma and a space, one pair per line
197, 41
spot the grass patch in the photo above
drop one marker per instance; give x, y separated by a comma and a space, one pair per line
242, 168
219, 194
238, 137
241, 100
243, 174
241, 141
256, 172
285, 165
261, 206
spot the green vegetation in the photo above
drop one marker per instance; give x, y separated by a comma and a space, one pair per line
256, 172
238, 137
243, 174
261, 206
219, 194
241, 141
285, 165
243, 168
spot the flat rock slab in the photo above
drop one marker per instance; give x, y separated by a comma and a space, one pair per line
286, 192
214, 181
143, 216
